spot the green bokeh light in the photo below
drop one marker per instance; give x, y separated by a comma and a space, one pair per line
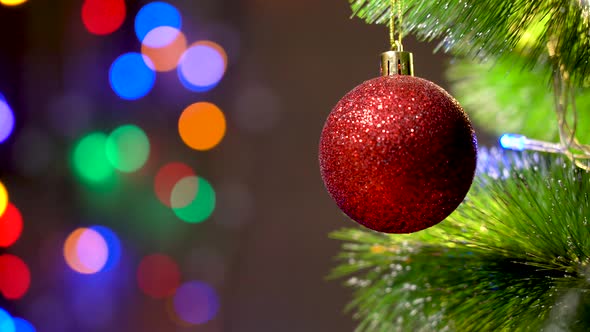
89, 158
127, 148
203, 204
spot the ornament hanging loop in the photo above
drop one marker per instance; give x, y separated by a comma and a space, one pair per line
396, 43
396, 61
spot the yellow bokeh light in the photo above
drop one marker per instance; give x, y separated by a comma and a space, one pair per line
12, 2
3, 198
202, 126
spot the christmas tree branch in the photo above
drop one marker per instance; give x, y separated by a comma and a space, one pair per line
514, 100
515, 256
483, 29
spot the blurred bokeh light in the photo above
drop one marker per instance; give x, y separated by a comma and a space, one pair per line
113, 245
12, 2
90, 159
167, 178
195, 302
22, 325
11, 226
15, 277
131, 77
92, 250
103, 17
223, 33
202, 66
164, 46
3, 198
203, 204
202, 126
138, 127
6, 119
158, 276
6, 322
86, 251
127, 148
156, 14
184, 192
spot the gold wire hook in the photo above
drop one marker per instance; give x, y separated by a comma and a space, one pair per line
396, 44
396, 61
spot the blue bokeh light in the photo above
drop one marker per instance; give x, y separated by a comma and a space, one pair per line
201, 67
6, 119
114, 245
22, 325
131, 76
513, 142
156, 14
6, 322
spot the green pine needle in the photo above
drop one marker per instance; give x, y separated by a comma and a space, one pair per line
502, 97
515, 256
497, 28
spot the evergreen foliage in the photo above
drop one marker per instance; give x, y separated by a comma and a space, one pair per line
503, 98
484, 29
515, 256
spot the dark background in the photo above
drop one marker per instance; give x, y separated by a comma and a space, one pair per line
265, 249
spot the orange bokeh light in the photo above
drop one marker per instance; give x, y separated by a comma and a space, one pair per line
202, 126
164, 57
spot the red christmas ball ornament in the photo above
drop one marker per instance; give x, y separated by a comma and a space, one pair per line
398, 154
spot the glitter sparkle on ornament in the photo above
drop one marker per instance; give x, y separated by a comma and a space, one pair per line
397, 154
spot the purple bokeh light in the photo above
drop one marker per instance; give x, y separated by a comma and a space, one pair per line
202, 66
92, 250
6, 119
195, 302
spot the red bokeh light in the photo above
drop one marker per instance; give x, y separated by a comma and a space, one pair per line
158, 276
166, 179
15, 277
11, 226
102, 17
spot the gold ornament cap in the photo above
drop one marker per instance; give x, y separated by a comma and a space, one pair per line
397, 62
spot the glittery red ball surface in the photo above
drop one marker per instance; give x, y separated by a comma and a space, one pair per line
398, 154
